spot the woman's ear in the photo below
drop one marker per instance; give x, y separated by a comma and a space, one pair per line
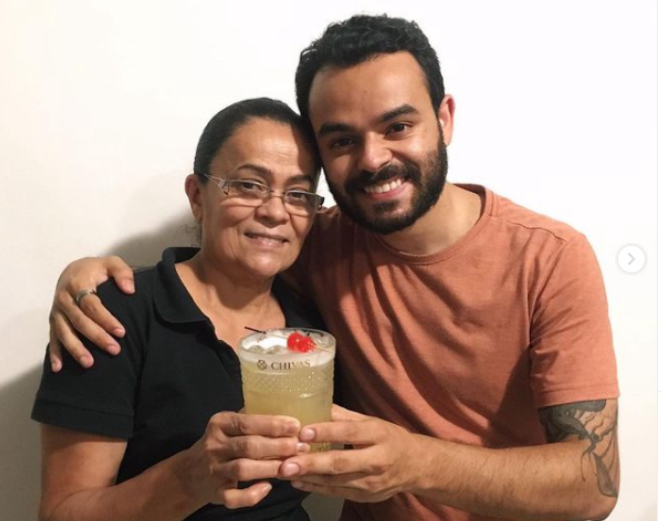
194, 194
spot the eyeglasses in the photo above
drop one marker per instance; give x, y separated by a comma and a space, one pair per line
253, 193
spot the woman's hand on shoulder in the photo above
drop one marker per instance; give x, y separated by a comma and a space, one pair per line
77, 309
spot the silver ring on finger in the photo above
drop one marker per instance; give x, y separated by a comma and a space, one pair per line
82, 294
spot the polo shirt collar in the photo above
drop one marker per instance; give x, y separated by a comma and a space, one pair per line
173, 302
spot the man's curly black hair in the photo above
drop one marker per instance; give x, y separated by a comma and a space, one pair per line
361, 38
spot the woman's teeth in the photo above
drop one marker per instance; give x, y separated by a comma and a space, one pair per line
267, 239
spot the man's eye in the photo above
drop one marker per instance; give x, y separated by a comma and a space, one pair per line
342, 142
398, 128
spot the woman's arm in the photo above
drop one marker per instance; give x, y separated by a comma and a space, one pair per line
79, 471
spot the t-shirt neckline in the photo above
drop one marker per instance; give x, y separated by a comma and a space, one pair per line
488, 202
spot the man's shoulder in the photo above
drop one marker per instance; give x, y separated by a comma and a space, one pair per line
332, 216
332, 228
524, 220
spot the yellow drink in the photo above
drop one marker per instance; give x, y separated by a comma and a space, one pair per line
279, 380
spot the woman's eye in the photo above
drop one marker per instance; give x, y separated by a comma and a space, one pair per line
249, 186
304, 199
297, 194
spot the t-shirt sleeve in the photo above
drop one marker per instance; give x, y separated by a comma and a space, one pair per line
99, 400
572, 355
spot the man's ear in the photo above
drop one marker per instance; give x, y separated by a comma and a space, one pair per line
194, 194
446, 118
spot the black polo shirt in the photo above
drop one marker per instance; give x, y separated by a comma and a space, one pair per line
171, 376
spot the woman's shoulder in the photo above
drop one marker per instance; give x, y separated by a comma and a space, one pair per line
152, 283
112, 296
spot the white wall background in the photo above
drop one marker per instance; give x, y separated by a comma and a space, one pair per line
102, 103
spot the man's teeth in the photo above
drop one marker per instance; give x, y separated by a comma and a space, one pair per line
384, 187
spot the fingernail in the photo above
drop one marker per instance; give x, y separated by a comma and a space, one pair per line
56, 366
113, 349
298, 484
87, 361
302, 447
130, 286
290, 469
265, 488
293, 428
118, 332
306, 434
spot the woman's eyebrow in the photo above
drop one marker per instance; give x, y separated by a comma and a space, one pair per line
300, 178
262, 171
267, 174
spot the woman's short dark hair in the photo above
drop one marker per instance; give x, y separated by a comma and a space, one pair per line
361, 38
224, 124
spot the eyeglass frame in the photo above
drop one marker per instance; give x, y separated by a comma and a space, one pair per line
224, 184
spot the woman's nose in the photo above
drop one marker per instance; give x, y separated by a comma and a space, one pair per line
273, 210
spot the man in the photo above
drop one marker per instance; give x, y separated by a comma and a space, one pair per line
473, 332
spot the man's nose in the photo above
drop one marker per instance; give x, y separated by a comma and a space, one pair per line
374, 154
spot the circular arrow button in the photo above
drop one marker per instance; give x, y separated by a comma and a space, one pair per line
631, 259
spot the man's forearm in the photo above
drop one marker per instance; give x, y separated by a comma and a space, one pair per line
573, 477
555, 481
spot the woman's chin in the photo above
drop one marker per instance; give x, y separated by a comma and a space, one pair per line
265, 270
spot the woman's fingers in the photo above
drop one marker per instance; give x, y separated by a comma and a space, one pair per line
262, 447
246, 497
240, 424
239, 447
244, 469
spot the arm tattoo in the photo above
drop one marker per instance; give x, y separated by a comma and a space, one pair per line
593, 421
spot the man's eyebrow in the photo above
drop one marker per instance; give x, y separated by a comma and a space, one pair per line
399, 111
330, 128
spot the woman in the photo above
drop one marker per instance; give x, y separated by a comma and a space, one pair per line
141, 435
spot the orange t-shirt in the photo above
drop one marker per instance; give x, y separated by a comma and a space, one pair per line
466, 344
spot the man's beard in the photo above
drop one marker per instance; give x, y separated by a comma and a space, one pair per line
428, 190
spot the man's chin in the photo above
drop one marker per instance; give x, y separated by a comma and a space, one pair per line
384, 218
386, 227
384, 224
